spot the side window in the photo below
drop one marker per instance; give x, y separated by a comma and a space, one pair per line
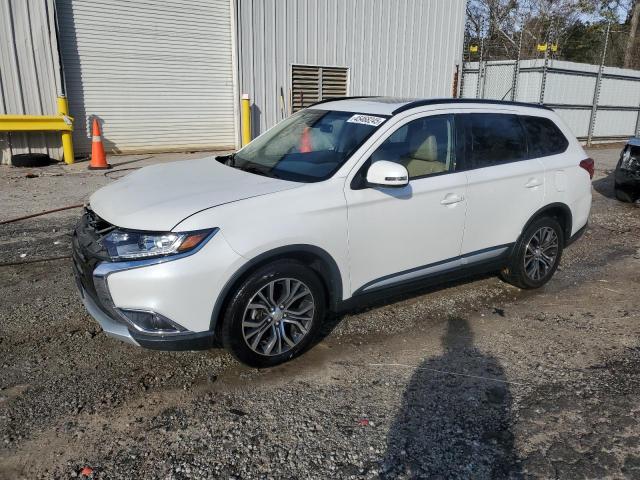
492, 139
424, 146
544, 137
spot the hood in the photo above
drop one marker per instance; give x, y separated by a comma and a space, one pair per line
161, 196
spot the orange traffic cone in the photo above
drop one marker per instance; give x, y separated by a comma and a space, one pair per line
98, 158
305, 141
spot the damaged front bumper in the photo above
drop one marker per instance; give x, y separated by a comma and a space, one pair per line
92, 268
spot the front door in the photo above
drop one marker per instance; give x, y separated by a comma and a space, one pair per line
401, 234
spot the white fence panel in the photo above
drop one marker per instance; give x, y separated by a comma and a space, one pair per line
576, 119
617, 91
498, 80
614, 123
569, 88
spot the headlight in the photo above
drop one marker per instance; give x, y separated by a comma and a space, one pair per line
129, 245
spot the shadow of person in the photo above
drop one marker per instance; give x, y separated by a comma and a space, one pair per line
453, 425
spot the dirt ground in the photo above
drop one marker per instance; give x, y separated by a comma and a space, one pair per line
471, 380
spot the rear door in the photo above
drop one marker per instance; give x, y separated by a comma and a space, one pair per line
505, 186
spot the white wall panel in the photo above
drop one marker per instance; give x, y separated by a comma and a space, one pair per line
406, 48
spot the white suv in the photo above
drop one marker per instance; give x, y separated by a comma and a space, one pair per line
343, 201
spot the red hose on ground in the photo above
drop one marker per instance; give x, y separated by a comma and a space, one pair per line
40, 214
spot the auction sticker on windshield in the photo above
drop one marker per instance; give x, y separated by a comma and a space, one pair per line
366, 119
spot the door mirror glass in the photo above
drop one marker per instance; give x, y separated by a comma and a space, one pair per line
387, 174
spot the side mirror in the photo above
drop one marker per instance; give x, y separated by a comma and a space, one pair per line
387, 174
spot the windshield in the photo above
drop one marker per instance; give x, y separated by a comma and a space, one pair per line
309, 146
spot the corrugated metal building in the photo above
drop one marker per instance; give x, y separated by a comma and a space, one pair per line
29, 72
158, 74
404, 48
168, 75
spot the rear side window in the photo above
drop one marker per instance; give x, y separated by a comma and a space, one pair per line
492, 139
544, 137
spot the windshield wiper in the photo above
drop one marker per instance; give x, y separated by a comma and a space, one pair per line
258, 171
228, 160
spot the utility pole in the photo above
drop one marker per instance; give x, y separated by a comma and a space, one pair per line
479, 85
516, 69
596, 90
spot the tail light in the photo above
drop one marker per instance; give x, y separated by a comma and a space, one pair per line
589, 165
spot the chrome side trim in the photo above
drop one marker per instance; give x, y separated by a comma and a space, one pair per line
481, 256
415, 274
450, 264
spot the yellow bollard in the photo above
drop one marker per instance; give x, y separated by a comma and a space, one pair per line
245, 114
67, 141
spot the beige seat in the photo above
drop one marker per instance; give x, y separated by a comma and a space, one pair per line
424, 160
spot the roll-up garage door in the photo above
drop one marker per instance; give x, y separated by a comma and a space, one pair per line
157, 73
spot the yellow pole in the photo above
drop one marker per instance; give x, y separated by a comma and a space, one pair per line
245, 114
67, 141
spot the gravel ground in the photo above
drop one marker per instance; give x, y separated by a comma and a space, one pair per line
471, 380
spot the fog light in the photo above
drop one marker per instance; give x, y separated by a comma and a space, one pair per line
151, 322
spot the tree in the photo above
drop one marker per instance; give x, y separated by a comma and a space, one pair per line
633, 30
577, 26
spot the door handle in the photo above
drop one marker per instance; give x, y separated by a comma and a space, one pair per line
451, 199
533, 182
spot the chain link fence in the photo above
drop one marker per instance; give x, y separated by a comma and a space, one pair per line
577, 71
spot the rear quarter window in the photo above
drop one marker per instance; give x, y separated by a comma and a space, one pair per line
543, 136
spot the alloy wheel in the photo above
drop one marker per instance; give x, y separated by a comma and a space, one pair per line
541, 253
278, 316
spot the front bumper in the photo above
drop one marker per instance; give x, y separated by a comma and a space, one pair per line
116, 326
109, 289
628, 178
110, 326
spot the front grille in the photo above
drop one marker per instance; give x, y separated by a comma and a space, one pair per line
87, 249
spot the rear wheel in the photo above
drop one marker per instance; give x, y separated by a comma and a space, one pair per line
536, 255
275, 314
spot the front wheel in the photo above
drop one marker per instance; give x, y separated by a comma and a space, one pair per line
275, 314
536, 255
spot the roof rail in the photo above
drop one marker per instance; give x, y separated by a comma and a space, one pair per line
335, 99
436, 101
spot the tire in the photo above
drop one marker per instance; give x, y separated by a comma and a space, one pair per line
293, 327
526, 276
31, 160
622, 194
